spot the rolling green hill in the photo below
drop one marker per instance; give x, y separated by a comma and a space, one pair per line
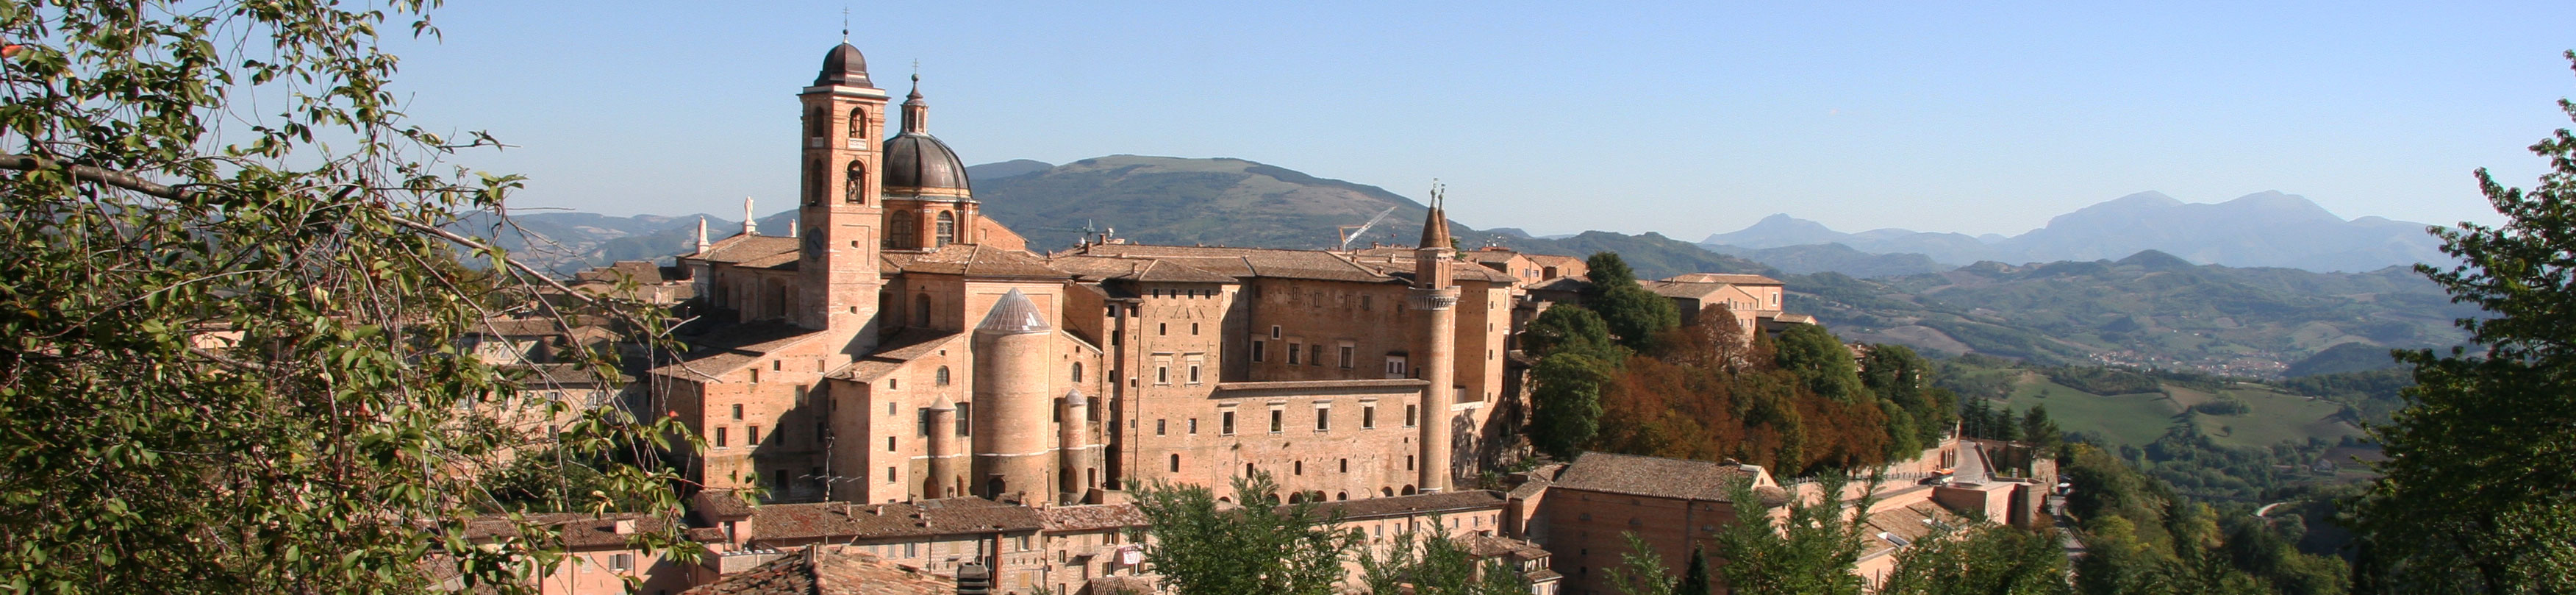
2148, 310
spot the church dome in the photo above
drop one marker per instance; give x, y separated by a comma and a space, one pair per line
844, 66
917, 164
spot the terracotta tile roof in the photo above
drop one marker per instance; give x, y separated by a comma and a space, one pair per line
1723, 278
1491, 546
1247, 262
555, 375
516, 327
1556, 260
742, 248
1443, 502
1091, 518
1569, 284
640, 271
722, 504
830, 569
841, 520
1125, 584
1652, 476
904, 347
1489, 255
729, 347
1685, 289
575, 531
975, 261
1907, 525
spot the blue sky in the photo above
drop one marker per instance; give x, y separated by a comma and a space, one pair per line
1680, 118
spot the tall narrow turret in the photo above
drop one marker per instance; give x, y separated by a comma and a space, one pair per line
1435, 297
1013, 453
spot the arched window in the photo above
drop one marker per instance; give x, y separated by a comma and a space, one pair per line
947, 228
921, 310
904, 232
941, 376
1408, 490
1077, 371
854, 188
1176, 463
814, 182
816, 123
858, 125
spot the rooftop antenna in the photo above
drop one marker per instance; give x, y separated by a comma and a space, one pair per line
845, 24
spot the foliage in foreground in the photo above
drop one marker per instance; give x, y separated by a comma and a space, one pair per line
232, 355
1433, 563
2478, 495
1261, 546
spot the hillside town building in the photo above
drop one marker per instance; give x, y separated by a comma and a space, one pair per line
900, 391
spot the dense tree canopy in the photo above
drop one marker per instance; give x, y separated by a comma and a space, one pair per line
233, 359
1262, 546
2478, 495
1636, 317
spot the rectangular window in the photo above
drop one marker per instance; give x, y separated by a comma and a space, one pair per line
1194, 426
1274, 331
737, 411
1368, 417
1323, 419
921, 422
1292, 353
1315, 354
1225, 424
1409, 415
1162, 375
889, 444
1162, 328
720, 437
751, 436
1117, 337
1276, 417
800, 395
1349, 357
1194, 329
889, 476
1257, 344
965, 419
1158, 427
1194, 373
1408, 462
621, 562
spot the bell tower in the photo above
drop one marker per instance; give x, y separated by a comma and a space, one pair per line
842, 206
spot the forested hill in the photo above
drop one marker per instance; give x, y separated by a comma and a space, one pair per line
1235, 202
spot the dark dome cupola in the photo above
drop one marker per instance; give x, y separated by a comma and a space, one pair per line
917, 164
844, 66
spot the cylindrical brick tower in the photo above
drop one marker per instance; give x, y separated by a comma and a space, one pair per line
1072, 440
1013, 453
940, 479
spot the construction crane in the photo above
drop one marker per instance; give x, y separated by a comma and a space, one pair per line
1353, 232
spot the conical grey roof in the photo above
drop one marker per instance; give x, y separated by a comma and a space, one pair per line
1074, 398
1014, 314
942, 404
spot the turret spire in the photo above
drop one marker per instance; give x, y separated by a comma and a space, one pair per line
702, 234
916, 113
1435, 230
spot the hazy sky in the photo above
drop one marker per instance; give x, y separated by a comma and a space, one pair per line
1683, 118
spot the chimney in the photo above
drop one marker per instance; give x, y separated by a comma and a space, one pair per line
622, 526
973, 579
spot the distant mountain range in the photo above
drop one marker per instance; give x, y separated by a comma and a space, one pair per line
2264, 229
2148, 308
